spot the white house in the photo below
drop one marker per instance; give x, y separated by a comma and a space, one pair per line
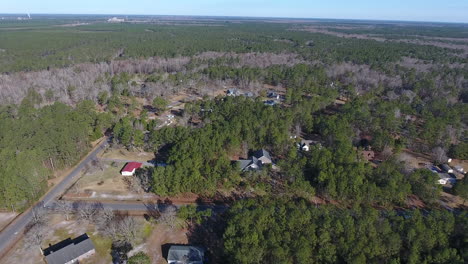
445, 178
130, 168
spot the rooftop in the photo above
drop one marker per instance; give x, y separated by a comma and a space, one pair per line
68, 249
131, 166
185, 254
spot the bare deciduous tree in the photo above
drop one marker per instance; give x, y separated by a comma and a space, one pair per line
168, 216
86, 211
39, 214
439, 155
64, 208
123, 229
35, 235
103, 218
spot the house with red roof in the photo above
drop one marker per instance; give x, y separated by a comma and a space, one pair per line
130, 168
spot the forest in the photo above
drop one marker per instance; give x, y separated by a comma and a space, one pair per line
283, 231
35, 143
347, 86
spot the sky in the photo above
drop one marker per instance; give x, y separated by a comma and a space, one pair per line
410, 10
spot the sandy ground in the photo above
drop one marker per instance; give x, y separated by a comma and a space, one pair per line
462, 163
6, 218
453, 201
160, 236
414, 160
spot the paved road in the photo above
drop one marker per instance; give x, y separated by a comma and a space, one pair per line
14, 230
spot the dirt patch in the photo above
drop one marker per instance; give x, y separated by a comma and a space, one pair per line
453, 201
163, 235
6, 218
462, 163
414, 160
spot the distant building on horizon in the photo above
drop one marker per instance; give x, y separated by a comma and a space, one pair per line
116, 20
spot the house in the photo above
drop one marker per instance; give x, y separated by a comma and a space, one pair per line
445, 178
69, 251
446, 168
263, 156
305, 145
130, 168
273, 95
233, 92
256, 161
185, 255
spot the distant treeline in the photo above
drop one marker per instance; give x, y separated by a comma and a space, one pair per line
27, 49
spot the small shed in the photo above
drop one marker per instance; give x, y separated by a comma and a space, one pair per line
130, 168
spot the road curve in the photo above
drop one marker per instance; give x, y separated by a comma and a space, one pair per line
10, 234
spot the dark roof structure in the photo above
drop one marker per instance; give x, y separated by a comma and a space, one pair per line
185, 254
68, 250
262, 153
246, 164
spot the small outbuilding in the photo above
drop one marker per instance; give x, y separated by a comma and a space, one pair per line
69, 251
130, 168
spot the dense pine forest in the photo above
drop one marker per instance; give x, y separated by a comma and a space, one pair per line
347, 86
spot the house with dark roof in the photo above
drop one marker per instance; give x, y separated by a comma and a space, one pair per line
185, 254
273, 95
256, 161
69, 250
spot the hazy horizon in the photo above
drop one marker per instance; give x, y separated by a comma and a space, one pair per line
416, 11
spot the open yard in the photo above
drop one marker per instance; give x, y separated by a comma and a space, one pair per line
153, 238
57, 230
123, 154
106, 183
161, 236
